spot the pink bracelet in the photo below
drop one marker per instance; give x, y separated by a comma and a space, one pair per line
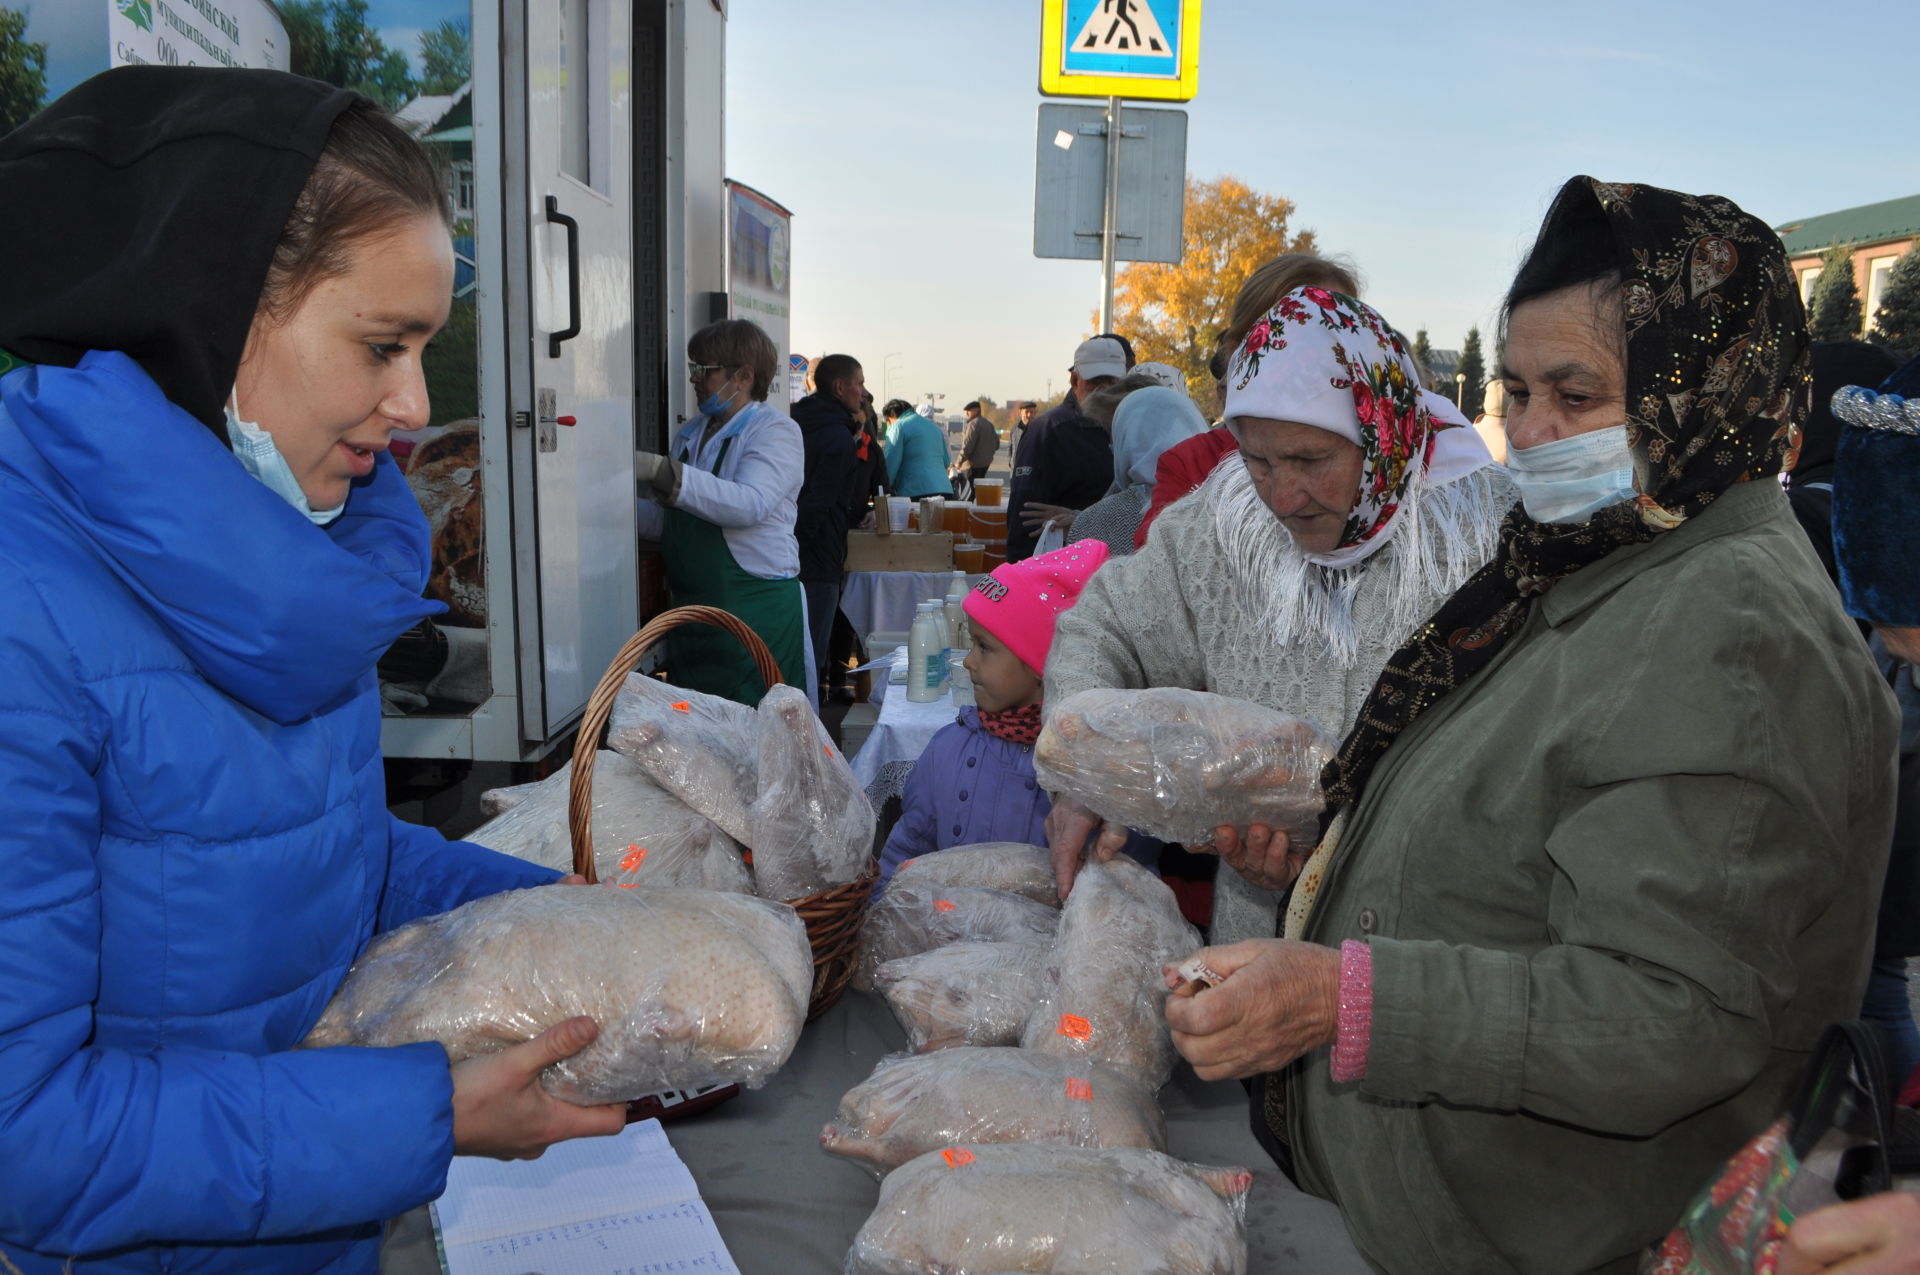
1349, 1062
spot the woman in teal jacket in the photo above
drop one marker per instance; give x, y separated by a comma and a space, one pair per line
205, 551
917, 459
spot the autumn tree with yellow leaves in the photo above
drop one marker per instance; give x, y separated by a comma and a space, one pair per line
1173, 313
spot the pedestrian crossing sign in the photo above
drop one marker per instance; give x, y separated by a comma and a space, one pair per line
1120, 48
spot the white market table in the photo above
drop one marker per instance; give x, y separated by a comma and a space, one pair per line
785, 1207
898, 737
883, 601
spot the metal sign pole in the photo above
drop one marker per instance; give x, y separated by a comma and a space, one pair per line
1110, 226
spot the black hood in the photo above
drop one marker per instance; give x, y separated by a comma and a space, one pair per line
140, 212
1835, 364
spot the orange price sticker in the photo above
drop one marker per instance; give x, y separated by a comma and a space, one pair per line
956, 1156
827, 748
629, 885
1079, 1087
746, 856
1074, 1027
943, 905
683, 707
633, 858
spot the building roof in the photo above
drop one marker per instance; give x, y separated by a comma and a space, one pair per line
423, 114
1867, 224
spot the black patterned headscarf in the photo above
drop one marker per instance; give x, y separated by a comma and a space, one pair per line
1717, 386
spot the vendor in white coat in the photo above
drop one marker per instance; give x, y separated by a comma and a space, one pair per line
721, 503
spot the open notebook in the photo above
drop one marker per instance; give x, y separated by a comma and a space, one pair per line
587, 1207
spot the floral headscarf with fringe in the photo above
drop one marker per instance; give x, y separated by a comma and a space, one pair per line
1347, 371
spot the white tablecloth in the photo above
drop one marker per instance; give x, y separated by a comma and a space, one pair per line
883, 601
901, 733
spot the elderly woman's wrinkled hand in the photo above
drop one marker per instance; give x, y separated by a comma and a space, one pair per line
1068, 826
1264, 857
1879, 1235
1279, 999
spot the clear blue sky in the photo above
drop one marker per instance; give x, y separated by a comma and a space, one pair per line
1422, 140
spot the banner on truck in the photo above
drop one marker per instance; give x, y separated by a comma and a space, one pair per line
758, 283
243, 33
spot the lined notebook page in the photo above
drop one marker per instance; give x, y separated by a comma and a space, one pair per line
593, 1206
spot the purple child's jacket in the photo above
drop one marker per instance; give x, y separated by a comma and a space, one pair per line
969, 787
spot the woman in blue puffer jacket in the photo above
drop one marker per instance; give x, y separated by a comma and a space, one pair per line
214, 289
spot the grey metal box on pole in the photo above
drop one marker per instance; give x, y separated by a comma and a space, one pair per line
1070, 183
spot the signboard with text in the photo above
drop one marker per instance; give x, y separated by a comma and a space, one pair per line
758, 286
238, 33
1146, 49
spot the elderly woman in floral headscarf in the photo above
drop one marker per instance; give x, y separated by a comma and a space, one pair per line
1611, 823
1289, 578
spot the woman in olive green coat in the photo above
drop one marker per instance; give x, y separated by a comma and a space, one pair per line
1612, 822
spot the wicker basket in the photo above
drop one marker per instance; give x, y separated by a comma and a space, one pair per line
833, 916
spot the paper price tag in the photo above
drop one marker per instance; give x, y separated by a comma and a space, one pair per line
1080, 1089
956, 1156
633, 858
1074, 1027
943, 905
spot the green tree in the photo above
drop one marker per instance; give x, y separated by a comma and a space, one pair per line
1174, 313
1896, 324
451, 365
1423, 357
1475, 369
446, 57
23, 71
330, 40
1835, 312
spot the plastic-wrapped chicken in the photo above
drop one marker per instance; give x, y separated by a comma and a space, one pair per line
994, 865
981, 1209
811, 826
964, 993
910, 918
1176, 764
642, 834
1102, 995
700, 748
913, 1105
690, 987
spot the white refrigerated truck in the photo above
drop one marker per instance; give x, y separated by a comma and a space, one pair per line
590, 148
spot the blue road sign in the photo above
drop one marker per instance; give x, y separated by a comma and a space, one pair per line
1122, 37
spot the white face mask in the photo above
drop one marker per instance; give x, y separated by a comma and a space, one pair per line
1571, 479
257, 453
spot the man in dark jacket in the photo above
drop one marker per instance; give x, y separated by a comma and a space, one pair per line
826, 422
978, 445
1065, 457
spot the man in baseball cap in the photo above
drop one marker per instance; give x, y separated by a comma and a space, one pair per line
1065, 459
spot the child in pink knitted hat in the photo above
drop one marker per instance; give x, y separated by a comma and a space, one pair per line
975, 780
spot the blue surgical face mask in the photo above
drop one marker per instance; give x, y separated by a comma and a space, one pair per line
257, 453
713, 404
1571, 479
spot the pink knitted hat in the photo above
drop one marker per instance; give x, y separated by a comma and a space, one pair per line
1022, 601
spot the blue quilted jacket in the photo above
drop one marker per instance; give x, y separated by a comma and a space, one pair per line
194, 845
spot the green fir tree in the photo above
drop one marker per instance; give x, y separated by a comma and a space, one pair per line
1835, 314
23, 71
1423, 358
1474, 368
1896, 323
446, 57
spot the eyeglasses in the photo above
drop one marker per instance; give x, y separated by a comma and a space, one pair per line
697, 370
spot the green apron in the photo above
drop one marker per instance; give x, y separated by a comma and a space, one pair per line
701, 571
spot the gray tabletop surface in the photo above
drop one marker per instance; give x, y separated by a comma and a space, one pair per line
786, 1207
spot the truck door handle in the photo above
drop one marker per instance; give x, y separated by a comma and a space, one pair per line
572, 330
